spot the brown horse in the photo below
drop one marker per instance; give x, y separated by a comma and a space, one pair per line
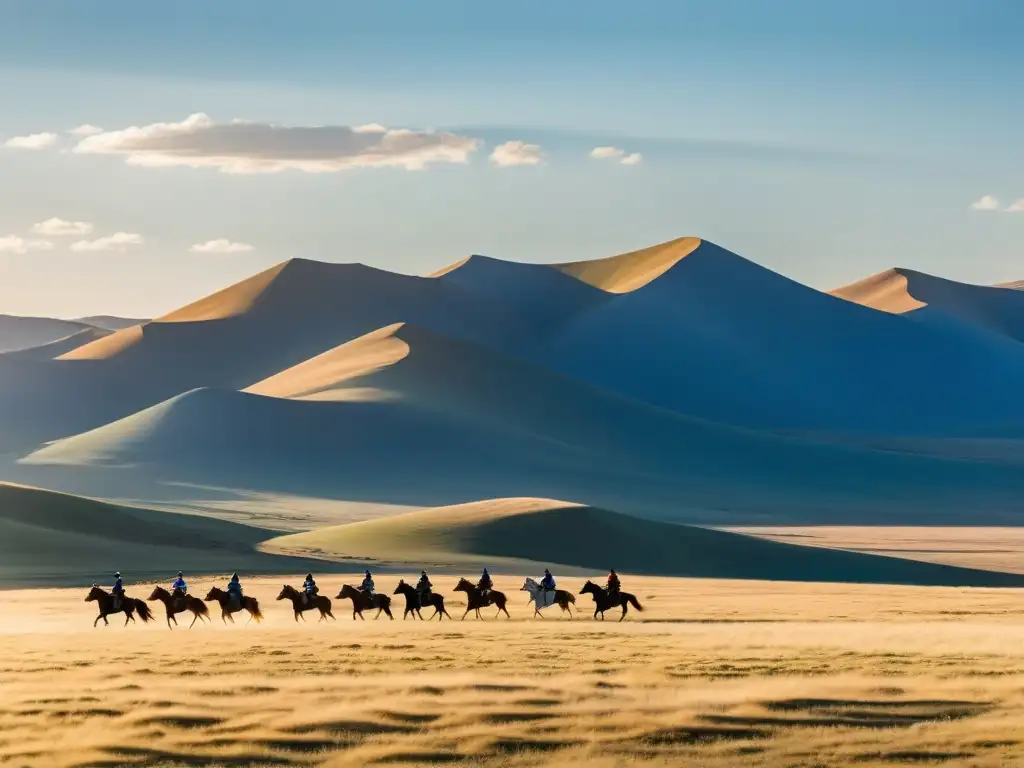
413, 601
175, 605
475, 600
228, 605
300, 602
361, 602
129, 605
603, 601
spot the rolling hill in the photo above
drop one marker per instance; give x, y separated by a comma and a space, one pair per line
56, 538
534, 533
24, 332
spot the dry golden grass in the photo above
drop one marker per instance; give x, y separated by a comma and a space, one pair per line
712, 673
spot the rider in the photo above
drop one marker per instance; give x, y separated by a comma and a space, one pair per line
118, 590
310, 588
179, 588
547, 583
423, 586
613, 583
367, 586
235, 588
485, 584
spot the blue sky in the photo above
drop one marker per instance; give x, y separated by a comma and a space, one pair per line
824, 140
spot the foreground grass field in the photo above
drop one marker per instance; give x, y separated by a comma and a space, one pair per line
712, 673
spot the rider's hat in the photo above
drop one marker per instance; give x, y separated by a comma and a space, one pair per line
180, 573
367, 571
309, 575
117, 575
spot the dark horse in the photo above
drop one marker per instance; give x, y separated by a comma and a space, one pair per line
129, 605
181, 604
301, 603
228, 605
361, 602
475, 600
603, 601
413, 601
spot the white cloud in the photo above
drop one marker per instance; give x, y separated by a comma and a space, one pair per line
517, 153
246, 147
33, 141
15, 244
1016, 207
61, 228
986, 203
85, 130
119, 241
616, 153
220, 246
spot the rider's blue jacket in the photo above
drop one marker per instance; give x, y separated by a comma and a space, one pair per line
367, 584
548, 582
118, 586
179, 583
309, 585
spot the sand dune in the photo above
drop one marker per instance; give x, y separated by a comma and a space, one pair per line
629, 271
55, 538
898, 291
24, 332
550, 532
55, 349
112, 322
408, 416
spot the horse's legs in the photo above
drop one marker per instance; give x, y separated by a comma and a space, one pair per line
625, 610
465, 614
97, 620
169, 617
194, 617
128, 617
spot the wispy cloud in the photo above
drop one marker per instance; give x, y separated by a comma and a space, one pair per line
32, 141
119, 241
15, 244
986, 203
517, 153
220, 246
247, 147
56, 227
85, 130
616, 153
1016, 206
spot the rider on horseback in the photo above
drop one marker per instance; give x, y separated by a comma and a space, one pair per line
423, 587
547, 584
613, 583
235, 589
485, 584
118, 590
179, 588
310, 589
367, 586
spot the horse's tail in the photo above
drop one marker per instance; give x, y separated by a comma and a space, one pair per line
199, 607
256, 612
571, 596
633, 601
143, 608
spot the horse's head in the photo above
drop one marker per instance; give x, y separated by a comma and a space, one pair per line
402, 588
159, 593
95, 593
347, 590
286, 591
529, 585
215, 593
463, 586
590, 587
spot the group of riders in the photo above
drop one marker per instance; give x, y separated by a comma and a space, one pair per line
310, 590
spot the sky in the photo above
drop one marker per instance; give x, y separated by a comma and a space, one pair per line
151, 153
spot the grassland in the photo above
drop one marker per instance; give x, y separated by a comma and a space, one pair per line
712, 673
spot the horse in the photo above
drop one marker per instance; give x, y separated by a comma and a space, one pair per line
129, 605
603, 601
413, 601
361, 601
475, 600
228, 605
300, 603
542, 598
175, 605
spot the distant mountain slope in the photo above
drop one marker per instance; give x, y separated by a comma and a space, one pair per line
56, 538
997, 308
112, 322
408, 416
547, 532
23, 332
55, 349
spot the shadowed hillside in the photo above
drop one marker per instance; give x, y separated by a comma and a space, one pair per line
54, 538
548, 532
24, 332
59, 347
